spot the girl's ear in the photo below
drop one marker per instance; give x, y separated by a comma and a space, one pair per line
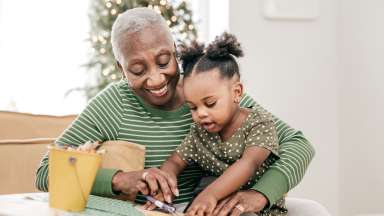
237, 91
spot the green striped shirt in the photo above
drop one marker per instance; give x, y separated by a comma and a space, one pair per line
117, 113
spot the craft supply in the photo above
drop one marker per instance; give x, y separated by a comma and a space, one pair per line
72, 171
161, 205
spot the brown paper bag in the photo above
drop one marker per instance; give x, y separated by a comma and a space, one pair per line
125, 156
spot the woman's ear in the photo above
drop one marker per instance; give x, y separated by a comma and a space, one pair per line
176, 55
118, 65
120, 68
237, 91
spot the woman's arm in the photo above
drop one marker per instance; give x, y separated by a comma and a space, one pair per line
295, 153
95, 123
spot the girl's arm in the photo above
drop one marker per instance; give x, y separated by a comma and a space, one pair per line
238, 173
174, 165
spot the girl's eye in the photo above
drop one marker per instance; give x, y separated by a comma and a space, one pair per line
210, 104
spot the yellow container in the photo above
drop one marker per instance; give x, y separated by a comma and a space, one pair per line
71, 176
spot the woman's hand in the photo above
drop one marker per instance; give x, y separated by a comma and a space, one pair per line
241, 202
148, 182
203, 204
125, 182
153, 181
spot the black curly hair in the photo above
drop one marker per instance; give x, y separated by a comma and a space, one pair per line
220, 54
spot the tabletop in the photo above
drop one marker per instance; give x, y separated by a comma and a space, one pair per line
37, 204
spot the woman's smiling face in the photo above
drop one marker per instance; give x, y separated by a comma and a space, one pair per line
149, 63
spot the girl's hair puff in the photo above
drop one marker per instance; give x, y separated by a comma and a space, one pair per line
189, 55
219, 54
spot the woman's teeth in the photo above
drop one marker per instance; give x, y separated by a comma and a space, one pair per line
159, 92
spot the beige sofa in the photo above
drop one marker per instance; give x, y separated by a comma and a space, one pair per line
23, 141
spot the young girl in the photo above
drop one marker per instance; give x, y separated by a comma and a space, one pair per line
233, 143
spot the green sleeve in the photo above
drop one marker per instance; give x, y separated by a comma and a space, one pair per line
95, 123
295, 155
103, 182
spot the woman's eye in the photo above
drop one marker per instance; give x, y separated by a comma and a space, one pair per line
163, 65
192, 108
163, 60
137, 69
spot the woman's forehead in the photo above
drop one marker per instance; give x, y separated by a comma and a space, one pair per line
147, 39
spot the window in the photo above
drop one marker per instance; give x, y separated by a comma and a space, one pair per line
211, 17
42, 48
43, 45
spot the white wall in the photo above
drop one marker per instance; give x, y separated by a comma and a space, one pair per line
325, 77
291, 68
362, 106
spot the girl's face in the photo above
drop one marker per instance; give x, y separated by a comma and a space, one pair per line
212, 99
149, 64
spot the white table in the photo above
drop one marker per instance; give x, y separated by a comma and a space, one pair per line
29, 204
37, 204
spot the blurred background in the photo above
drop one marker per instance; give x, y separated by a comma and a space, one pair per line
318, 65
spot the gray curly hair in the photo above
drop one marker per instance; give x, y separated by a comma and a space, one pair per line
131, 21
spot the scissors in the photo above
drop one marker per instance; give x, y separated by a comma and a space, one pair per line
166, 207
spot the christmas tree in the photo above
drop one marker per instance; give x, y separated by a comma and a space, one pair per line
103, 13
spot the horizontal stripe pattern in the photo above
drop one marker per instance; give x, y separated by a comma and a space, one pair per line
294, 150
117, 114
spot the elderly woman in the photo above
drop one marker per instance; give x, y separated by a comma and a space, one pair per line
147, 107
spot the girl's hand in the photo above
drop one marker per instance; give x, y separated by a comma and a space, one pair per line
203, 204
241, 202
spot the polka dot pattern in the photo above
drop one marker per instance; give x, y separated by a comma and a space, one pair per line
215, 156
